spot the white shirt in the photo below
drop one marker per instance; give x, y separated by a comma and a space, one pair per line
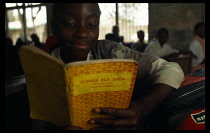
152, 69
155, 48
197, 50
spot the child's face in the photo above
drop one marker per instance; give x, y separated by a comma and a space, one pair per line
141, 35
77, 26
201, 31
163, 37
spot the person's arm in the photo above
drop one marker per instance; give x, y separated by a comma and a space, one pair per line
130, 118
187, 52
164, 76
158, 76
196, 49
149, 49
176, 55
170, 53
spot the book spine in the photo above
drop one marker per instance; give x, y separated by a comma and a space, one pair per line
67, 93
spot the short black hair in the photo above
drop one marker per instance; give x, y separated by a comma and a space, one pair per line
115, 26
57, 7
198, 25
161, 30
140, 31
34, 35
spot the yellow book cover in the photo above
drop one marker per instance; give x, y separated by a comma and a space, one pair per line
65, 94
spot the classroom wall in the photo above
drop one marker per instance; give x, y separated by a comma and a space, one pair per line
178, 18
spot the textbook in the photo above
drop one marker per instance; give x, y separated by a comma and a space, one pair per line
65, 94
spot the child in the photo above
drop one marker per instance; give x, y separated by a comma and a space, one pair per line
197, 47
76, 26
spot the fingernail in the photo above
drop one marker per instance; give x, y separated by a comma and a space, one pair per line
97, 110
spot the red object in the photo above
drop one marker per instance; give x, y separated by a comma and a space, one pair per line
190, 80
49, 42
195, 121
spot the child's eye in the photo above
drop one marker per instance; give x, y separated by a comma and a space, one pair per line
67, 24
93, 25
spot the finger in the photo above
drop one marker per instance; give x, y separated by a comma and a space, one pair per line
114, 122
117, 112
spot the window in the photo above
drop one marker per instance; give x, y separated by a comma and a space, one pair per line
36, 20
107, 19
132, 17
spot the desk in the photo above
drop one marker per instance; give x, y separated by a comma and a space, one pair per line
184, 62
15, 84
17, 112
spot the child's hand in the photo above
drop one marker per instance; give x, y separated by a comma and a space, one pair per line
125, 119
131, 118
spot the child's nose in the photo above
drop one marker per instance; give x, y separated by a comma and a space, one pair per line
82, 32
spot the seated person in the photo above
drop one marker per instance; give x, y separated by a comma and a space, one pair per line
13, 65
160, 47
36, 41
197, 47
139, 45
10, 58
114, 36
76, 26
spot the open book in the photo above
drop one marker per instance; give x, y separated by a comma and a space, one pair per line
65, 94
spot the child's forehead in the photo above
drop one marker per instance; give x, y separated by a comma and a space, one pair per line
78, 6
75, 8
